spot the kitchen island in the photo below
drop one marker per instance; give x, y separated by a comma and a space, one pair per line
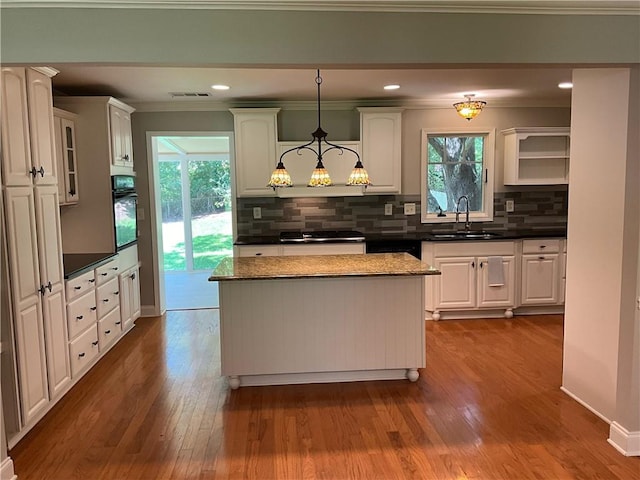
321, 318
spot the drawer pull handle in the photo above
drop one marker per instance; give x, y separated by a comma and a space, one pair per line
473, 264
80, 355
92, 280
133, 276
104, 274
93, 309
94, 344
540, 258
77, 288
116, 293
543, 246
118, 323
114, 268
107, 332
105, 300
79, 317
481, 264
258, 254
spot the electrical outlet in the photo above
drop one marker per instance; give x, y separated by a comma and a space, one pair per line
257, 213
509, 206
388, 209
409, 208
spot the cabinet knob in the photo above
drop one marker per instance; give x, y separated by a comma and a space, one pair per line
116, 293
77, 288
133, 276
105, 300
50, 287
473, 264
118, 323
107, 332
94, 344
42, 289
126, 156
543, 246
33, 172
79, 317
481, 264
541, 258
93, 309
104, 274
93, 280
80, 355
114, 268
41, 172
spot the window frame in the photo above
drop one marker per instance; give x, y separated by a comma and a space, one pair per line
488, 162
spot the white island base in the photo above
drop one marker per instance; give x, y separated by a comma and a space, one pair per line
318, 330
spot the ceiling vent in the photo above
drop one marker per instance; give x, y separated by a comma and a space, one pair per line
189, 94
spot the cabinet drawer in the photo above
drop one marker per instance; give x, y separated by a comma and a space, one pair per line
78, 286
259, 250
109, 329
81, 314
106, 272
83, 350
541, 246
108, 297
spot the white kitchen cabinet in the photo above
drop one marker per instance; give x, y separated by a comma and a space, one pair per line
66, 156
121, 144
541, 272
341, 248
130, 297
536, 156
28, 137
37, 289
256, 135
257, 250
464, 281
381, 142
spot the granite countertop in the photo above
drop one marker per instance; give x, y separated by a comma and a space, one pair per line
320, 266
78, 263
424, 236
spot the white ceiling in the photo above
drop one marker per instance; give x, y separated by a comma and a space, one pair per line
419, 86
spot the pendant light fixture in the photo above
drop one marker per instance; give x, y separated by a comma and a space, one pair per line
320, 176
470, 108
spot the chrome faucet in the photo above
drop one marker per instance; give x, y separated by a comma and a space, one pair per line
467, 225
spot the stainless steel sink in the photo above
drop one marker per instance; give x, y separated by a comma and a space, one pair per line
465, 236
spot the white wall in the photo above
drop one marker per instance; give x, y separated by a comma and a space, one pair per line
602, 237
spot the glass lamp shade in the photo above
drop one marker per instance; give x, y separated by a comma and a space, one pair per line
320, 177
280, 177
359, 175
469, 109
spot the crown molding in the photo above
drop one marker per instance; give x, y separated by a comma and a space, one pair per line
545, 7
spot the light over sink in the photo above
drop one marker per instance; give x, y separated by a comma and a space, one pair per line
465, 236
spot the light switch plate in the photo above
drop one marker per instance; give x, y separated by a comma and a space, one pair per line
257, 213
388, 209
409, 208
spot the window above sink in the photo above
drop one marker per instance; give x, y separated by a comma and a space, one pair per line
457, 164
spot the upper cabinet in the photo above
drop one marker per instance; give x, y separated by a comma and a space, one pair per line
121, 145
28, 137
256, 145
536, 156
381, 140
67, 162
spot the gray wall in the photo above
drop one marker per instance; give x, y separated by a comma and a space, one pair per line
319, 38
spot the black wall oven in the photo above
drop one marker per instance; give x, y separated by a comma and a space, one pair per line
125, 206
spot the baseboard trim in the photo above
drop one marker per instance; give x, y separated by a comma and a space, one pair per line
626, 442
6, 470
586, 405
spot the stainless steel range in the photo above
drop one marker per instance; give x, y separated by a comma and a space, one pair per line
326, 236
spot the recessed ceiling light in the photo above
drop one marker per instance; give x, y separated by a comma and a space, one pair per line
565, 85
220, 87
391, 87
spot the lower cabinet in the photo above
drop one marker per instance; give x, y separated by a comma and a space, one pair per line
541, 273
129, 297
474, 276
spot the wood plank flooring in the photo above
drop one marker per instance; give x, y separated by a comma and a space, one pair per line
487, 407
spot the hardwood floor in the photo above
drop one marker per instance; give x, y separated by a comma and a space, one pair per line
487, 407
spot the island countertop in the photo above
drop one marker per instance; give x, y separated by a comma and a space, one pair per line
319, 266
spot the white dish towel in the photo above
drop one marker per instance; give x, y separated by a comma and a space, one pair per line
496, 273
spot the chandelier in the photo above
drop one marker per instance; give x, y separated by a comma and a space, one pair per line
320, 176
470, 108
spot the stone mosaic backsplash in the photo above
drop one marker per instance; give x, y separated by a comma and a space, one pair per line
543, 209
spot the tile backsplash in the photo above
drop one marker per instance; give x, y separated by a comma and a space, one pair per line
543, 209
